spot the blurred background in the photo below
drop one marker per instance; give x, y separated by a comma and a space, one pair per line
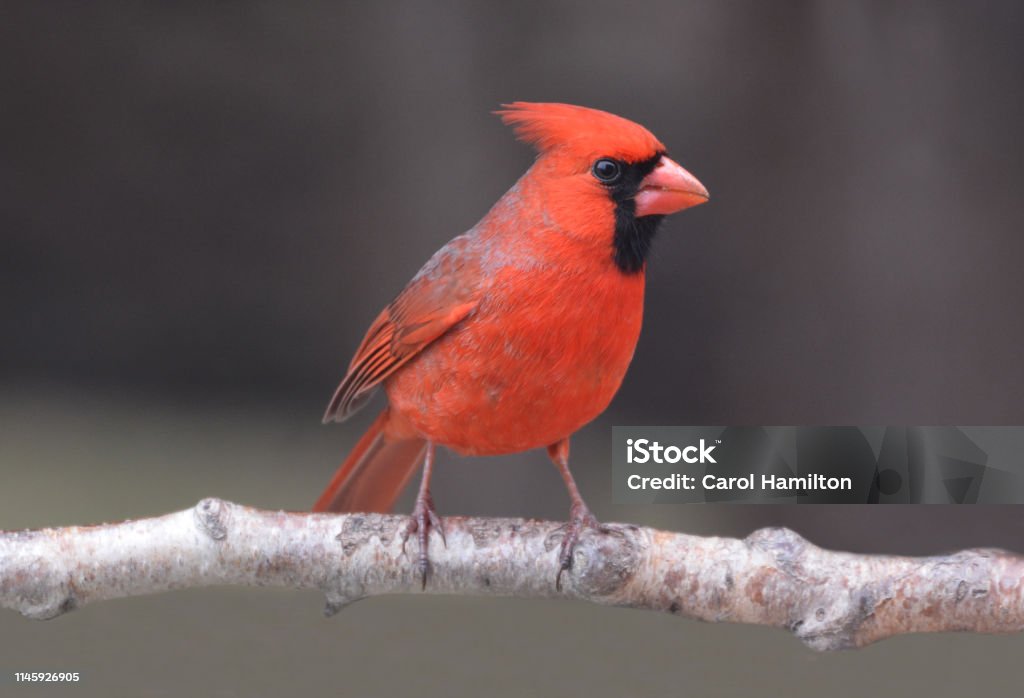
203, 206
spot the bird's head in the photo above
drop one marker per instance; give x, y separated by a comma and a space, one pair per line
598, 168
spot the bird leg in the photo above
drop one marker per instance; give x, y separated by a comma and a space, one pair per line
580, 517
424, 517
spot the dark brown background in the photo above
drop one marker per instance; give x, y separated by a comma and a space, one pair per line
203, 205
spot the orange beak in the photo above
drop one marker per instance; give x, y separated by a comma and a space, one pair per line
669, 188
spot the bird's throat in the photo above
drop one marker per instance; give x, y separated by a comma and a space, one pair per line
633, 237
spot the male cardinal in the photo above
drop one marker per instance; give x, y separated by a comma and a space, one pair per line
518, 332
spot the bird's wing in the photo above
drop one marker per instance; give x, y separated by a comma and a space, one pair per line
439, 297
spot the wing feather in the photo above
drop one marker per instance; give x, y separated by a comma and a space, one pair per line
437, 299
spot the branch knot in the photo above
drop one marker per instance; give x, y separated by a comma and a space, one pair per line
211, 516
605, 560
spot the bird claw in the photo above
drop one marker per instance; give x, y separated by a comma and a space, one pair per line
423, 518
580, 519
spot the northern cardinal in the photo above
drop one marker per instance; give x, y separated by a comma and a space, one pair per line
518, 332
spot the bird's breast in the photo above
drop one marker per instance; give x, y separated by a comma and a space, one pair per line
543, 354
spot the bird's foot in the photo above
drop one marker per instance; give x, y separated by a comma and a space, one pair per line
580, 519
423, 518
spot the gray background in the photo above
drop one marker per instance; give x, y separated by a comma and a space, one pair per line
203, 205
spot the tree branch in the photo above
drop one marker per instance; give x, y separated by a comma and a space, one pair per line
773, 577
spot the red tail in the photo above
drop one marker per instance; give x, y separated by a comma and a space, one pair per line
374, 474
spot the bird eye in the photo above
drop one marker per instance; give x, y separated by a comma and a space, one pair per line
606, 170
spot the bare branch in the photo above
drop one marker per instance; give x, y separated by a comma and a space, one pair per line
773, 577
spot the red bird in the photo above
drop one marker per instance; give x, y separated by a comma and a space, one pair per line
518, 332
